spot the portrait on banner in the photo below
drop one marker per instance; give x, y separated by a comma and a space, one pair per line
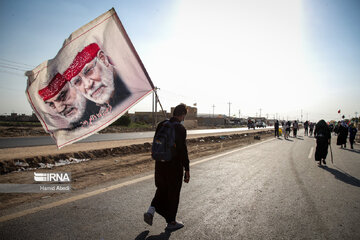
94, 79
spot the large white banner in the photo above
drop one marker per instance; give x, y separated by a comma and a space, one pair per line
93, 80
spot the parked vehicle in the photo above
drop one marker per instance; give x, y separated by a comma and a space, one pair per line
260, 125
251, 124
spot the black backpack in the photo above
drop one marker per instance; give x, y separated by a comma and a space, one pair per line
163, 146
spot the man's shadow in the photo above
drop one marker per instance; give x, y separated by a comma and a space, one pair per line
162, 236
287, 139
342, 176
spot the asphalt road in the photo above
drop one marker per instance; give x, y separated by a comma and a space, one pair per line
272, 190
47, 140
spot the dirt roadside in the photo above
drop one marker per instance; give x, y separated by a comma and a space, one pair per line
107, 161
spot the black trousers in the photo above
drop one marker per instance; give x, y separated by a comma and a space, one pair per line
276, 132
168, 182
351, 141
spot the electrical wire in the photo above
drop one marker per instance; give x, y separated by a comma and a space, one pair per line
18, 63
14, 68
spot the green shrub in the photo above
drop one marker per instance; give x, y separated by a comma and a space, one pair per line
124, 120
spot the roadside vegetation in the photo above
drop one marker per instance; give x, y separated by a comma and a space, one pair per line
19, 124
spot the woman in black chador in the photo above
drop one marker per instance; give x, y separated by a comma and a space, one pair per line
343, 133
323, 137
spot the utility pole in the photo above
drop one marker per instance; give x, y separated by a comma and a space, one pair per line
260, 112
239, 113
301, 115
154, 105
213, 106
229, 108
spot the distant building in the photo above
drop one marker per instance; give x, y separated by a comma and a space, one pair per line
210, 121
148, 117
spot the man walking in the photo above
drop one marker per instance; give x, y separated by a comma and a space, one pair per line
295, 128
169, 175
352, 133
306, 128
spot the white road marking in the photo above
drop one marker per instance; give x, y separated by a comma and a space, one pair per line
311, 152
106, 189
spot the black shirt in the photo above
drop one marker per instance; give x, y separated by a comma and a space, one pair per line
181, 152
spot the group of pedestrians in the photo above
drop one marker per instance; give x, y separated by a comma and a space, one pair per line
286, 128
343, 130
322, 132
323, 137
309, 126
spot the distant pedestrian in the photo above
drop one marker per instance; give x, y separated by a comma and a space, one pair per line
311, 126
352, 133
169, 175
276, 128
323, 138
295, 128
336, 128
287, 129
342, 134
306, 128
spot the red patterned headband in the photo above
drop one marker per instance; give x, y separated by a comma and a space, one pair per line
54, 87
81, 59
59, 81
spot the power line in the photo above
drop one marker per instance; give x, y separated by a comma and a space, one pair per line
14, 65
6, 60
18, 69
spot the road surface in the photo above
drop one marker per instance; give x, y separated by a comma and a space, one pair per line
271, 190
47, 140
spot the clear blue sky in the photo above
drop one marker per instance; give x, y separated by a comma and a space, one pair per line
280, 56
